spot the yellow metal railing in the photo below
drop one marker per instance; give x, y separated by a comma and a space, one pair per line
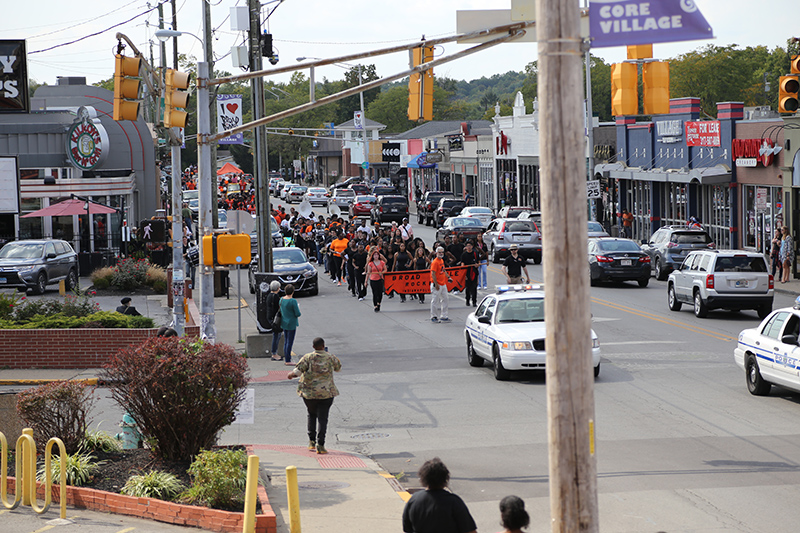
25, 488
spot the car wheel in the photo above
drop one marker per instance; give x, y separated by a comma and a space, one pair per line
764, 310
472, 358
597, 370
594, 282
500, 373
41, 283
700, 309
314, 291
72, 281
537, 259
643, 282
493, 253
755, 383
672, 299
661, 274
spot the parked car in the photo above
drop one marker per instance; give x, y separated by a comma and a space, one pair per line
275, 232
428, 203
596, 230
296, 194
484, 214
669, 245
317, 195
468, 228
285, 189
503, 232
362, 206
769, 354
447, 207
359, 188
513, 211
341, 198
347, 183
35, 264
390, 208
617, 259
289, 265
722, 279
508, 330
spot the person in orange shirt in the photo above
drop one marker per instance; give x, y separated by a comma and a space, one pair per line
439, 278
338, 246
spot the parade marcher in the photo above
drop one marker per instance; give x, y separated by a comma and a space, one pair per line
350, 267
318, 390
290, 312
513, 516
469, 259
338, 246
786, 254
513, 266
273, 304
126, 308
376, 268
402, 261
359, 261
421, 262
439, 298
407, 230
436, 509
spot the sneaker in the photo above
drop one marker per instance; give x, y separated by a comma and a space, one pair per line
361, 299
434, 320
312, 446
321, 449
338, 283
445, 320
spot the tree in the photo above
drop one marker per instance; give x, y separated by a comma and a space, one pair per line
352, 103
391, 108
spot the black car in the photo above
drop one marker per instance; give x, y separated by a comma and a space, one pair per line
35, 264
289, 265
428, 203
448, 207
467, 227
380, 190
614, 259
390, 208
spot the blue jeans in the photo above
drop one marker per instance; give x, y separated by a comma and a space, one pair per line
483, 274
288, 342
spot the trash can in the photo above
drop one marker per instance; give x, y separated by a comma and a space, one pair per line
262, 280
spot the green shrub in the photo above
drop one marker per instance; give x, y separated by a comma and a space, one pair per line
102, 283
103, 273
100, 441
218, 478
154, 484
156, 274
58, 409
180, 393
100, 319
80, 467
35, 308
142, 322
130, 273
8, 304
82, 305
160, 286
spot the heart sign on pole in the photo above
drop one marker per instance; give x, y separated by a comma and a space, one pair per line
229, 116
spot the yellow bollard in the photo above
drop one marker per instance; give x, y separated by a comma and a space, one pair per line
28, 465
62, 288
250, 495
294, 499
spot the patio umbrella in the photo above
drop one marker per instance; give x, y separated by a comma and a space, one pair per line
71, 207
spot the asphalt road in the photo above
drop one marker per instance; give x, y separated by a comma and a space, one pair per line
681, 444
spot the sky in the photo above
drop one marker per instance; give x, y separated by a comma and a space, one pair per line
328, 28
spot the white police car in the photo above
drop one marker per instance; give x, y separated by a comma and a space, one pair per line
769, 354
508, 330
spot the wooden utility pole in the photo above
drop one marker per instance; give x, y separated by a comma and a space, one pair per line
570, 380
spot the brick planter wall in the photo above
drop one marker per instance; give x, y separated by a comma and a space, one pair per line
159, 510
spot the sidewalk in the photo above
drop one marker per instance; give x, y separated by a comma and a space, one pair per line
340, 492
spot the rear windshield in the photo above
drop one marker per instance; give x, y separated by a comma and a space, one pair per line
520, 225
595, 226
690, 237
345, 192
394, 200
618, 246
515, 211
740, 263
452, 203
365, 199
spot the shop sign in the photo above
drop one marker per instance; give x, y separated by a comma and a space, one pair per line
747, 162
390, 152
87, 141
434, 157
703, 133
669, 131
13, 77
750, 152
455, 143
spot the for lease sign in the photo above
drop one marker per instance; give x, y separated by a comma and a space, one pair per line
702, 133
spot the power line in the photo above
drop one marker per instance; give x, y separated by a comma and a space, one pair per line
82, 22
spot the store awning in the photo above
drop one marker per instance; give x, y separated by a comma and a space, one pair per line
703, 176
420, 161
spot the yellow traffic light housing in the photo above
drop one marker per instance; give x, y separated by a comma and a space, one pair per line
640, 51
175, 97
655, 78
788, 90
420, 86
795, 65
126, 88
624, 91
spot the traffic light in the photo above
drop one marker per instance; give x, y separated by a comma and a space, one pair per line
624, 92
795, 65
126, 88
420, 86
176, 97
655, 78
788, 89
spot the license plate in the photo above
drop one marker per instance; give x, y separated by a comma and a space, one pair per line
521, 238
394, 210
625, 262
741, 283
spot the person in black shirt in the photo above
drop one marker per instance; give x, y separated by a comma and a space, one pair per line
126, 308
436, 510
359, 261
470, 259
513, 265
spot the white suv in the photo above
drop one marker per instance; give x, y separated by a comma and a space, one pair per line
722, 279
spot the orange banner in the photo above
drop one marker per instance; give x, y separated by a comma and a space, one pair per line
419, 281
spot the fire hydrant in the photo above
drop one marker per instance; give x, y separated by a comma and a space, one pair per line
130, 436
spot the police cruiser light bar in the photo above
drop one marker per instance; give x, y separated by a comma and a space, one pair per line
500, 289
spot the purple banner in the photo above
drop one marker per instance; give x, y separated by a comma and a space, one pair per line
229, 116
628, 22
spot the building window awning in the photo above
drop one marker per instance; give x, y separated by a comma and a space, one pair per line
420, 161
704, 176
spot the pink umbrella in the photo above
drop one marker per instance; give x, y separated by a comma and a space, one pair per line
71, 207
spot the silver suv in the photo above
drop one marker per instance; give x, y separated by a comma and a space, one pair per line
503, 232
342, 199
35, 264
669, 245
722, 279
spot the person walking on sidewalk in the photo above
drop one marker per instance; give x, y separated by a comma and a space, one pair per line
318, 390
436, 510
290, 312
440, 305
513, 515
787, 254
273, 304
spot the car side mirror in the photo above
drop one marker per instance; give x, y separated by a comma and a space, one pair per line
51, 255
789, 339
484, 320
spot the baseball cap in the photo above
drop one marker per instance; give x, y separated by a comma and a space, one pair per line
514, 247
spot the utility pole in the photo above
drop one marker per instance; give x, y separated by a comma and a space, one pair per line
260, 154
570, 384
208, 39
174, 39
206, 185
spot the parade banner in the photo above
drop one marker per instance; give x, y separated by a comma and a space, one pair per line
419, 281
229, 116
